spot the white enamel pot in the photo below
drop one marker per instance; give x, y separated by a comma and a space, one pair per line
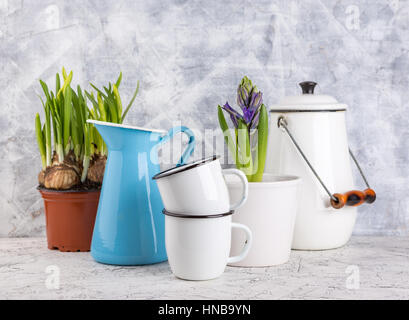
313, 126
270, 212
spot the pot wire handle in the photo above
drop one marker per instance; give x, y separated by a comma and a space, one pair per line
337, 200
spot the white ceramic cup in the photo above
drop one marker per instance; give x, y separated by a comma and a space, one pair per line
198, 247
199, 188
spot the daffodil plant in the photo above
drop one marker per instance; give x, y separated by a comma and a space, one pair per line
248, 146
77, 155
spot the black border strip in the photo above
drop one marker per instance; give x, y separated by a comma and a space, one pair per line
190, 216
184, 167
203, 308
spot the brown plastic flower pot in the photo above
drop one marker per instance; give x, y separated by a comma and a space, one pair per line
70, 218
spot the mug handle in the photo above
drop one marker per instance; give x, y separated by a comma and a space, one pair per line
245, 191
247, 245
191, 144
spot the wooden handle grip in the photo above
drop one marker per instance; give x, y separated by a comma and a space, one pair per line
353, 198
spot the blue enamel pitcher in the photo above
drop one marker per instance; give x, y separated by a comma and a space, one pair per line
129, 227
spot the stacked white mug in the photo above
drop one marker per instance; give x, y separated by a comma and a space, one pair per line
198, 218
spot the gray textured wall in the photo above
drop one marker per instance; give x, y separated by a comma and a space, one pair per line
189, 56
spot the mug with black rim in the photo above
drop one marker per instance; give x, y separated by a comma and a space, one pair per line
199, 188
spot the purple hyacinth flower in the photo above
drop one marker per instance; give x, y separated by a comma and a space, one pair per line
254, 122
234, 115
248, 115
242, 97
249, 99
256, 101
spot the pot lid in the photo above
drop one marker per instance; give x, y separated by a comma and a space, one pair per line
308, 101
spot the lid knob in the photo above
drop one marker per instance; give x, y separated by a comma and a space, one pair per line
307, 87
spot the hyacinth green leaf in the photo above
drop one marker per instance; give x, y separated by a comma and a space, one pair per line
243, 143
236, 136
262, 140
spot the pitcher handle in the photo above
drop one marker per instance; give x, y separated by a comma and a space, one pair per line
191, 144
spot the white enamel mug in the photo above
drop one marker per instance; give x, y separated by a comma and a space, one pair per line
199, 188
198, 247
